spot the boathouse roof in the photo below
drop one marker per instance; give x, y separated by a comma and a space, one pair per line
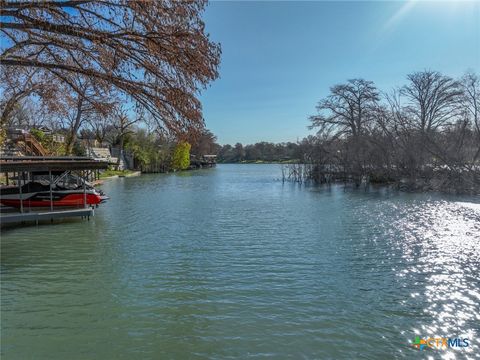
49, 163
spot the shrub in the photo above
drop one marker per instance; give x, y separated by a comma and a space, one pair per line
181, 156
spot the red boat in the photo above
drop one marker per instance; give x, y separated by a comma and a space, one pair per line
37, 194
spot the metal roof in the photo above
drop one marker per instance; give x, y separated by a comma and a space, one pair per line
49, 163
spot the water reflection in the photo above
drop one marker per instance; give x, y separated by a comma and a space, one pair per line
441, 243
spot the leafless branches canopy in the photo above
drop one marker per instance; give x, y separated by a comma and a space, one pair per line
156, 52
349, 108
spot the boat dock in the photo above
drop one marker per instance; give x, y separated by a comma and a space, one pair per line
22, 169
17, 217
203, 161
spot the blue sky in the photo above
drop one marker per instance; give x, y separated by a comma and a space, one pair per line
279, 58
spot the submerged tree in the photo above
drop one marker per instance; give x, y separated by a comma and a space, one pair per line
471, 99
348, 109
347, 113
433, 99
423, 135
156, 52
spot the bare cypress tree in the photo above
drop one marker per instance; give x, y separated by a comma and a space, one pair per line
348, 109
433, 99
471, 100
156, 52
348, 112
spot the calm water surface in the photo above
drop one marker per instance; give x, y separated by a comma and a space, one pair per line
231, 263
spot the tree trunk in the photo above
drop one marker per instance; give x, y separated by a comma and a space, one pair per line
120, 153
72, 136
10, 106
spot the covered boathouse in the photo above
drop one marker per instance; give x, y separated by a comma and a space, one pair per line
20, 171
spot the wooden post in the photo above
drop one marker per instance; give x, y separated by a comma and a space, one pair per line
20, 192
84, 190
51, 194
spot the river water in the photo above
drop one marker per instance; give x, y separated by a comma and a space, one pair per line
231, 263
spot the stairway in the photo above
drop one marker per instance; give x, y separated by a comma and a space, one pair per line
33, 146
23, 145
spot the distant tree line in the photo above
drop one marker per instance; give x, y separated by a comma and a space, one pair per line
260, 152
